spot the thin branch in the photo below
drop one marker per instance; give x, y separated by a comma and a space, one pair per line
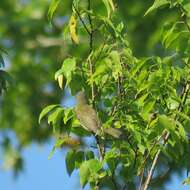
82, 21
151, 149
145, 160
101, 148
91, 49
100, 145
153, 166
141, 178
91, 27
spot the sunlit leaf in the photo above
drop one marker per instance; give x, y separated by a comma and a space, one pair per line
84, 173
55, 118
156, 5
89, 168
46, 110
58, 143
60, 81
180, 129
68, 114
109, 6
69, 65
52, 8
166, 123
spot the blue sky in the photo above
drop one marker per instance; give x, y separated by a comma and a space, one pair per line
40, 173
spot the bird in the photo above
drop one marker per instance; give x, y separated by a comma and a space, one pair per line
88, 118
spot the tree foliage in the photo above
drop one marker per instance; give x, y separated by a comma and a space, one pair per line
146, 97
132, 61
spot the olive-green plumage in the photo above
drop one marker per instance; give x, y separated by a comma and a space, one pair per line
89, 119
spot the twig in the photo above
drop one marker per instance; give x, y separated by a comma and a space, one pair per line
154, 144
153, 166
82, 21
145, 160
100, 146
90, 51
91, 27
141, 178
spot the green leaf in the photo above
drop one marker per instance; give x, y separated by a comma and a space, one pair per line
110, 26
70, 161
58, 143
148, 108
187, 8
46, 110
109, 6
181, 130
68, 114
58, 73
84, 173
89, 155
79, 159
59, 78
116, 64
101, 70
88, 170
69, 65
52, 8
111, 158
94, 165
183, 115
156, 5
55, 118
138, 65
166, 123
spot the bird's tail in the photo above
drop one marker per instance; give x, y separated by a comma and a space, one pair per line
113, 132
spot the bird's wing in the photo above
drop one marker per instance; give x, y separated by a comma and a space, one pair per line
87, 117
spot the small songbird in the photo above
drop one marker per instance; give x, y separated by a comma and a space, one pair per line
89, 119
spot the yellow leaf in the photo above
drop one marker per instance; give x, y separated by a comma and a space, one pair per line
60, 81
73, 29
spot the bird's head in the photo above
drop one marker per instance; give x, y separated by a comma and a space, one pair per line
81, 98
